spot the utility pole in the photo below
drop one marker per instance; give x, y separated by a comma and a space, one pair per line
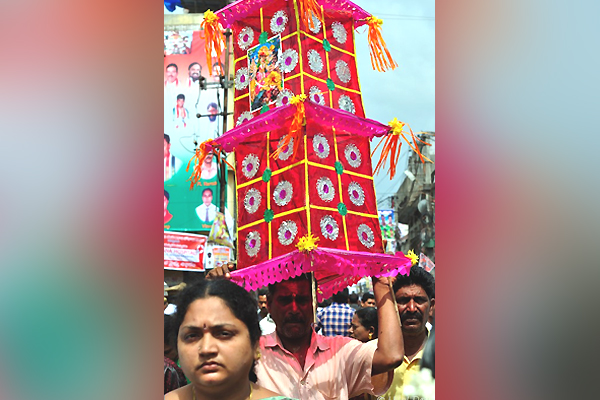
225, 84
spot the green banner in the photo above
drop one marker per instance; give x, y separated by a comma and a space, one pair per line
192, 102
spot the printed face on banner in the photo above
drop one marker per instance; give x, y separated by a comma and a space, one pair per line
266, 79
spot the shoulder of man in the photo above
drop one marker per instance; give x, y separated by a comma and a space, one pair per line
335, 343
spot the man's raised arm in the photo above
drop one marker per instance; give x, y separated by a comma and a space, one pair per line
390, 344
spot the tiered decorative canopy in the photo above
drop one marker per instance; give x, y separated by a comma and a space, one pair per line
321, 183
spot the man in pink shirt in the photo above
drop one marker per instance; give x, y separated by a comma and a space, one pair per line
297, 362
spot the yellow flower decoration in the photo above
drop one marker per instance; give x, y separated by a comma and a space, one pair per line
210, 16
298, 98
307, 243
374, 21
396, 126
414, 259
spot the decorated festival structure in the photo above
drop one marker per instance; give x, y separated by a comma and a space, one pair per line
305, 193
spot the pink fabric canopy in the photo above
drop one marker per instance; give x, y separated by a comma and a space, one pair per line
281, 116
334, 269
242, 8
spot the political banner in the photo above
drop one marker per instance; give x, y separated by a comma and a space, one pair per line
215, 255
386, 223
426, 263
190, 90
184, 251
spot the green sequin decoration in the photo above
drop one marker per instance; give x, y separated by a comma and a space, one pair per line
339, 168
342, 209
269, 214
262, 39
326, 45
330, 84
266, 175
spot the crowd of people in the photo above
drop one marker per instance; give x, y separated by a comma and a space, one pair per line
223, 342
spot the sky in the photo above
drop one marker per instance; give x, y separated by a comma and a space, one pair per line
408, 92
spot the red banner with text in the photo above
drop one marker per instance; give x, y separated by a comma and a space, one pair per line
184, 251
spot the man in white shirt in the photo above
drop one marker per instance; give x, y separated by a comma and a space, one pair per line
267, 325
172, 87
207, 210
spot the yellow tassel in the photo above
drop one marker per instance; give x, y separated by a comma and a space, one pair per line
213, 37
414, 259
381, 59
307, 243
392, 145
297, 99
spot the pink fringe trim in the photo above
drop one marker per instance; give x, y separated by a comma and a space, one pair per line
334, 269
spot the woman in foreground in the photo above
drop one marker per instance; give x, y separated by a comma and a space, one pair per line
217, 340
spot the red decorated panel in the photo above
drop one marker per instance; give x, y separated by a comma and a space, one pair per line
279, 18
358, 194
251, 159
342, 69
313, 58
253, 245
290, 56
294, 86
245, 35
363, 234
320, 144
316, 91
286, 157
323, 187
286, 231
354, 153
316, 30
288, 190
252, 202
348, 101
339, 30
328, 226
241, 77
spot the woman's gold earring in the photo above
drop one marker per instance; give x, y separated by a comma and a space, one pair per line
257, 356
370, 335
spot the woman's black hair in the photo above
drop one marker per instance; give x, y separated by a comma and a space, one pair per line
243, 306
170, 333
368, 318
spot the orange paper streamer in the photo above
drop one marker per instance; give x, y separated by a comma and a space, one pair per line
213, 36
295, 128
202, 152
307, 9
381, 59
392, 146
